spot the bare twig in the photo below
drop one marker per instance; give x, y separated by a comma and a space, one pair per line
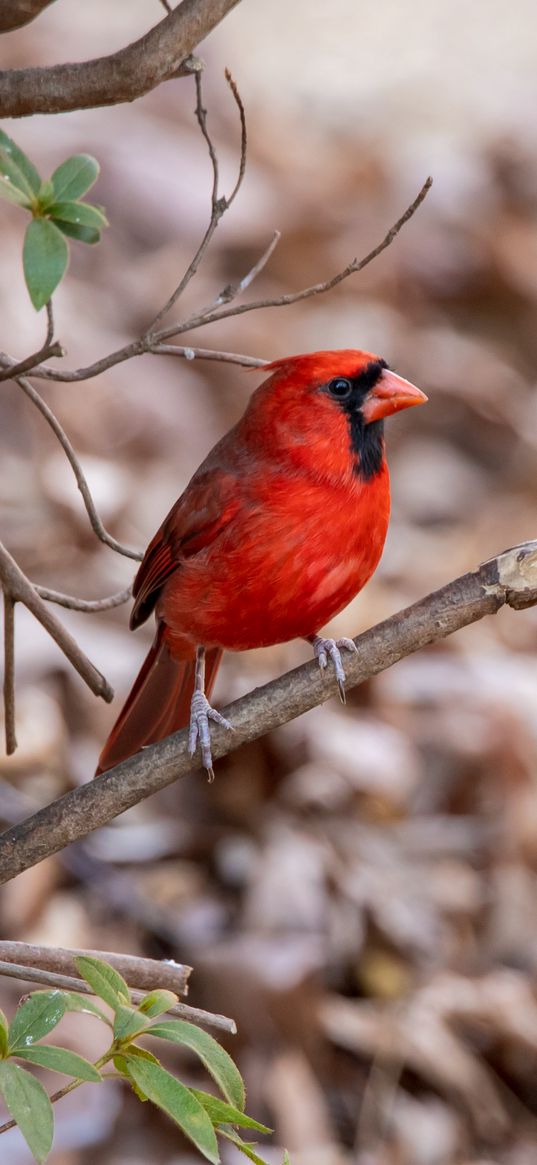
153, 342
207, 354
244, 139
50, 322
219, 206
52, 420
73, 983
261, 262
9, 672
141, 348
510, 578
89, 606
17, 587
207, 316
44, 353
146, 974
161, 54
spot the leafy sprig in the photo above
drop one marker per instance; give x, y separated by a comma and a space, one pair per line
200, 1115
57, 212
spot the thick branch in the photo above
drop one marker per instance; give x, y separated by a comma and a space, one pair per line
510, 578
158, 56
16, 13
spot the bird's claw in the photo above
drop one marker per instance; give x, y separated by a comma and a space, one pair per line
325, 649
200, 714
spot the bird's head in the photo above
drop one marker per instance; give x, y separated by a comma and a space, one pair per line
329, 408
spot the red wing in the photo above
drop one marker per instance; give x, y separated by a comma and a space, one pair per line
196, 519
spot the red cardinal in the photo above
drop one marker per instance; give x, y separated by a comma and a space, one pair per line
279, 528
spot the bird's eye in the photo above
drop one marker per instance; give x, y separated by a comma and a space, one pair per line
340, 388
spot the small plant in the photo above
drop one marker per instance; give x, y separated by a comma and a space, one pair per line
201, 1116
56, 212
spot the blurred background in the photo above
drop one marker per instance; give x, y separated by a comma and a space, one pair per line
359, 888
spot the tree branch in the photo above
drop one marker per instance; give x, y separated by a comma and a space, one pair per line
16, 13
510, 578
146, 974
123, 76
18, 589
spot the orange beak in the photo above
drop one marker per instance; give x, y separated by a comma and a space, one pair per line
390, 394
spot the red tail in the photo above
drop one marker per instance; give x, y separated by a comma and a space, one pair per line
158, 703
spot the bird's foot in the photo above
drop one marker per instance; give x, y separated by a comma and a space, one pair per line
325, 649
200, 714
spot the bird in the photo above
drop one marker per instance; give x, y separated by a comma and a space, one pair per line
279, 528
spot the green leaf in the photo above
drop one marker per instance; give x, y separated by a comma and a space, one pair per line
74, 231
74, 177
45, 256
107, 983
76, 1002
37, 1016
79, 213
45, 195
4, 1038
225, 1114
245, 1147
132, 1050
128, 1023
173, 1098
121, 1066
29, 1105
60, 1060
216, 1060
157, 1002
10, 192
14, 156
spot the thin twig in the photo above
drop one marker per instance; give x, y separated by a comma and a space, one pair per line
261, 262
138, 348
207, 354
32, 361
244, 138
9, 672
50, 322
144, 974
61, 1092
154, 341
219, 206
201, 118
72, 983
510, 578
18, 587
87, 605
52, 420
206, 316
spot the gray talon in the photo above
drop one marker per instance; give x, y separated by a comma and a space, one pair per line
323, 649
200, 714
